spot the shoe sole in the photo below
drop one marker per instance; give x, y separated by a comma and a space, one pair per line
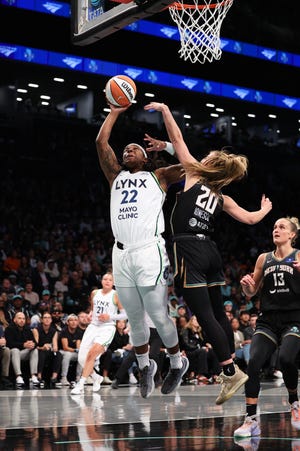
253, 434
95, 389
233, 391
185, 367
153, 385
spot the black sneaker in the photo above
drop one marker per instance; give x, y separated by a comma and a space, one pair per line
54, 383
174, 377
6, 383
146, 380
115, 384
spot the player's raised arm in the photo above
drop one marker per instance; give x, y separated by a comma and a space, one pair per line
107, 158
182, 152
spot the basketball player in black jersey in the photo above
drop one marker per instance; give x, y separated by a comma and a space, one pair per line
198, 264
277, 274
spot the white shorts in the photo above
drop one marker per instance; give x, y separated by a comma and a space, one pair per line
144, 266
102, 335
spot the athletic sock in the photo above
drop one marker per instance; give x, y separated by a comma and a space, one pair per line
229, 369
143, 360
175, 360
251, 410
293, 397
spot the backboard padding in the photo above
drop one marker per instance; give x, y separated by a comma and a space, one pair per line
85, 32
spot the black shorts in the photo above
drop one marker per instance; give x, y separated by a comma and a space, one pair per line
197, 262
278, 324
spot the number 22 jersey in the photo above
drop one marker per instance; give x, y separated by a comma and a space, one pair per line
136, 207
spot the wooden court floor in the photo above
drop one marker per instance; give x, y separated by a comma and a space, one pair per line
189, 419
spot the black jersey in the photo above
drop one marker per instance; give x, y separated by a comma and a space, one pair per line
195, 210
281, 284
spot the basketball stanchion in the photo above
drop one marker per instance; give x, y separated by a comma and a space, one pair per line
199, 24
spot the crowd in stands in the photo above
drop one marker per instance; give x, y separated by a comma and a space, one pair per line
56, 240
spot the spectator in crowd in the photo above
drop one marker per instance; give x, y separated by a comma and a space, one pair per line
12, 263
226, 289
40, 279
13, 277
58, 316
117, 350
4, 317
62, 286
46, 337
183, 310
244, 319
51, 268
26, 304
31, 296
25, 270
42, 307
203, 360
70, 339
172, 306
248, 334
181, 322
83, 322
78, 289
17, 305
5, 382
95, 275
239, 340
7, 287
228, 307
21, 342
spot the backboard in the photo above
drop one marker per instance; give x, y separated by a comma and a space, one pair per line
94, 19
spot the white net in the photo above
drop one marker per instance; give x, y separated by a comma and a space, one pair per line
199, 25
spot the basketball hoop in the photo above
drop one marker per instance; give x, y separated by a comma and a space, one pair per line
199, 27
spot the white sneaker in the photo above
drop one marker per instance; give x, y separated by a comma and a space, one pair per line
35, 382
132, 379
97, 383
20, 381
78, 389
107, 381
64, 381
89, 381
250, 428
278, 374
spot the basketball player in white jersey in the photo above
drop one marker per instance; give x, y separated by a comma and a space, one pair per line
140, 261
106, 309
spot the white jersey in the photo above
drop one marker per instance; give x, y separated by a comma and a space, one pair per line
136, 204
104, 303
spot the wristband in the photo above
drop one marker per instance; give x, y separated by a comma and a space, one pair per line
118, 316
169, 148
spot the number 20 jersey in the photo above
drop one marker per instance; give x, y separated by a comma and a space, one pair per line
195, 210
136, 207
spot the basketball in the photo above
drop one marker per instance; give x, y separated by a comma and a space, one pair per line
120, 90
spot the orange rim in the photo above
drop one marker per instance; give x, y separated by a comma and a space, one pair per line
177, 5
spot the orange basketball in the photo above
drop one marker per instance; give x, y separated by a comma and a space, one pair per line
120, 90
